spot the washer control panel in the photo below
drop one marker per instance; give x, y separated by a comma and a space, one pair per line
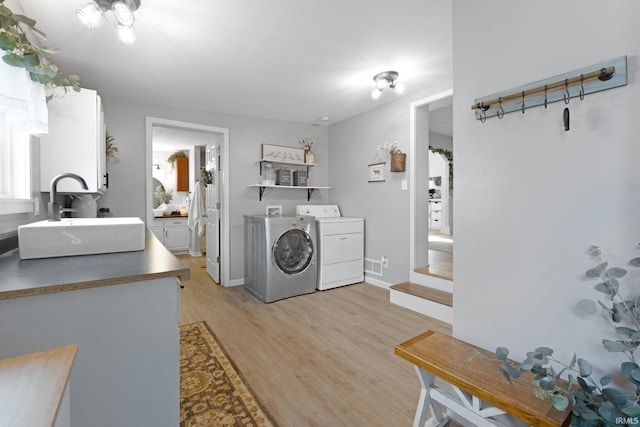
319, 211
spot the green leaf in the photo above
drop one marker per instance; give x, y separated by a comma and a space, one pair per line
625, 332
631, 411
590, 415
606, 379
587, 306
547, 383
31, 60
585, 368
635, 262
597, 271
505, 374
610, 287
616, 272
513, 372
25, 20
502, 353
573, 361
615, 346
13, 60
560, 402
546, 351
635, 374
615, 396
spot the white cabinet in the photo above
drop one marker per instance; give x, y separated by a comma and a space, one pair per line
172, 232
75, 143
435, 214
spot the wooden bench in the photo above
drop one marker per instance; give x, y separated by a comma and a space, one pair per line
481, 392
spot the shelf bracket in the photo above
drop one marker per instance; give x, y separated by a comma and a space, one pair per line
261, 191
309, 193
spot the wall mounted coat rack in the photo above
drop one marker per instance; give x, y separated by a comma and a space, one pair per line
578, 83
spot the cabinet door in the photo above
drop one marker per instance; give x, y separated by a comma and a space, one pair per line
75, 142
182, 174
176, 238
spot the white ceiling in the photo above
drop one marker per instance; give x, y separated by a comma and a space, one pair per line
294, 60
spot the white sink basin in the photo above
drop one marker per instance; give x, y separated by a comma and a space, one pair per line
80, 236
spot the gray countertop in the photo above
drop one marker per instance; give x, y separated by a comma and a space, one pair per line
19, 278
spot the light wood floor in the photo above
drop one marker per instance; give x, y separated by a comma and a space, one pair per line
440, 263
324, 359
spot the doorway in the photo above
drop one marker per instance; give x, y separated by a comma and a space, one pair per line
200, 135
431, 216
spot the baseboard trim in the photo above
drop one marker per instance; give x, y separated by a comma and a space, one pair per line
377, 282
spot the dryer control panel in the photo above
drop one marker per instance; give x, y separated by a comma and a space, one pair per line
319, 211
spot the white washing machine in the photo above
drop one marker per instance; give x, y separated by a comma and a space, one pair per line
280, 256
340, 246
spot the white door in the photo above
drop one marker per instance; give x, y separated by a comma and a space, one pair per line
212, 228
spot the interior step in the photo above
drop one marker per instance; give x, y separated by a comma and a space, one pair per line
423, 299
441, 297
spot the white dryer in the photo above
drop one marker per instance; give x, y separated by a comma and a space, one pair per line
340, 246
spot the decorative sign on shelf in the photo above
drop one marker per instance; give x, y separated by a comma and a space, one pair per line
278, 153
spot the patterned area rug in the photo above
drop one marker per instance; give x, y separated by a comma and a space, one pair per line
212, 393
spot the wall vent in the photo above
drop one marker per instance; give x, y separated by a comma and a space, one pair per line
372, 266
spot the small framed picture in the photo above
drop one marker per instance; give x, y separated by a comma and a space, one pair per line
278, 153
376, 172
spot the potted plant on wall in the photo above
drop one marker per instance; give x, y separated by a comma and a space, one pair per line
172, 158
398, 158
309, 157
20, 52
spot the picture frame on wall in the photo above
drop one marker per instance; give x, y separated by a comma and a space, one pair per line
376, 172
278, 153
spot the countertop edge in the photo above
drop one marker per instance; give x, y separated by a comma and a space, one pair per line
80, 272
183, 274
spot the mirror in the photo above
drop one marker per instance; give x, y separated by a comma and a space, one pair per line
157, 201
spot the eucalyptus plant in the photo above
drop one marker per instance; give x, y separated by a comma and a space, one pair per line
612, 399
21, 52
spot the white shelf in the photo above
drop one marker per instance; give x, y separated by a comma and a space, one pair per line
310, 189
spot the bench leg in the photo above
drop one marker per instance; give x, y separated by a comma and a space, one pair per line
426, 382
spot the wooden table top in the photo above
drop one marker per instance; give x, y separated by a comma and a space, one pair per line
475, 371
32, 386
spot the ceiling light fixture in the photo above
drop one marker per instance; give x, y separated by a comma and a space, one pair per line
386, 79
92, 15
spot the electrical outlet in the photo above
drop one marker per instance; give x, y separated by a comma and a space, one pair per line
405, 185
385, 262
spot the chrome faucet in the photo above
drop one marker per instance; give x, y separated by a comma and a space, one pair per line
53, 207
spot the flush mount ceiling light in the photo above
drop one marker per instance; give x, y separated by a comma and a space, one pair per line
92, 15
386, 79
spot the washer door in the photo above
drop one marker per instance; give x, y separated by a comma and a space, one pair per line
293, 251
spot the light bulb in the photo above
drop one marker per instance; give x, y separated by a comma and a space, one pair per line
376, 93
126, 34
91, 15
382, 83
123, 14
399, 88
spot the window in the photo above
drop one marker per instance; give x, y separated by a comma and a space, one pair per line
23, 112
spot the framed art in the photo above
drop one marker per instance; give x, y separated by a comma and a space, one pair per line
376, 172
277, 153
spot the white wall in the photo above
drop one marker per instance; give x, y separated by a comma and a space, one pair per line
530, 197
126, 194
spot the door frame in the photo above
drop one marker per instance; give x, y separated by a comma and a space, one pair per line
421, 279
225, 251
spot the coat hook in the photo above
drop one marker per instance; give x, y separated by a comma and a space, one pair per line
483, 112
581, 87
500, 112
523, 108
566, 96
545, 97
